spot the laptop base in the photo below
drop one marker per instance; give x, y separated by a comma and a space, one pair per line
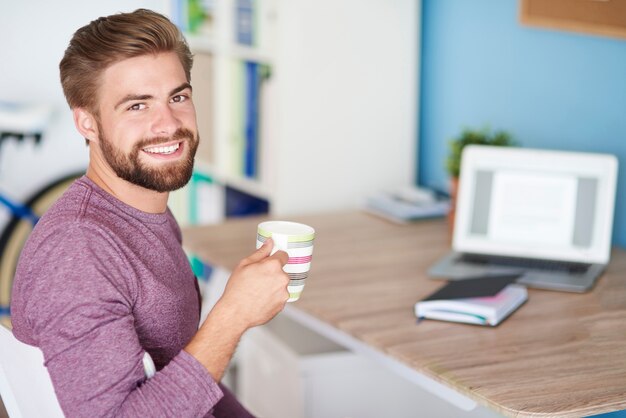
452, 267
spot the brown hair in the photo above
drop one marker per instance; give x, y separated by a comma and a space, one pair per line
111, 39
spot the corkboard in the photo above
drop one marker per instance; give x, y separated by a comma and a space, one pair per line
599, 17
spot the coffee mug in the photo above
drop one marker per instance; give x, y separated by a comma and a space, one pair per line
296, 239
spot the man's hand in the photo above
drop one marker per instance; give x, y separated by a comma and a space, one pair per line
257, 288
254, 294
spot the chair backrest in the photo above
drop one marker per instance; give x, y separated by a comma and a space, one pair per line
25, 384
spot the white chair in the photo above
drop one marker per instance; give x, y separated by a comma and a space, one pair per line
25, 384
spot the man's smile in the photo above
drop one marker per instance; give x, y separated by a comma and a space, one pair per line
167, 149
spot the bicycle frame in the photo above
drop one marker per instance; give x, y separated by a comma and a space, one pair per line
19, 210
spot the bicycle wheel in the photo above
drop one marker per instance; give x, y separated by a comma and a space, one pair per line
15, 234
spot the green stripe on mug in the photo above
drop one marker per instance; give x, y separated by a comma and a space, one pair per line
297, 232
299, 244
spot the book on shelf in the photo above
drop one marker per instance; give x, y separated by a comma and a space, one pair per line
178, 14
201, 201
267, 124
480, 301
237, 122
249, 115
244, 22
207, 200
178, 203
405, 204
203, 90
251, 118
255, 23
240, 203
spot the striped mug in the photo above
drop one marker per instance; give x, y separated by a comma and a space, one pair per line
296, 240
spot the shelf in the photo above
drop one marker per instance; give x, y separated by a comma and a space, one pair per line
247, 53
201, 43
333, 118
250, 186
233, 51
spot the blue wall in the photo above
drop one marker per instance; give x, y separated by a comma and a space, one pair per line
549, 89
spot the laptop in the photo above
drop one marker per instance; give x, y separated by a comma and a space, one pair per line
546, 216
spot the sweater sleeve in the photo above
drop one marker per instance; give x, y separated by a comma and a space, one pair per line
75, 302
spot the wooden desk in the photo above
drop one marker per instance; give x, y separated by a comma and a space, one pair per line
561, 354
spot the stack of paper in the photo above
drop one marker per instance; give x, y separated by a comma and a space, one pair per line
407, 204
482, 301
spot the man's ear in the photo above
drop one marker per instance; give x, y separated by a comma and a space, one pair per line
86, 124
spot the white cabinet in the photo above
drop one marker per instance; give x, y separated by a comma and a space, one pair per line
285, 370
338, 113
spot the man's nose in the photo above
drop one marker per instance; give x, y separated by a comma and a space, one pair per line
166, 122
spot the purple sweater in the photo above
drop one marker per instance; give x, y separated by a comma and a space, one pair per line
98, 284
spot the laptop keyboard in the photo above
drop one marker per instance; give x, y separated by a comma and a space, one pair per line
526, 263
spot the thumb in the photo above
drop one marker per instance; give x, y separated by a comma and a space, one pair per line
281, 256
262, 252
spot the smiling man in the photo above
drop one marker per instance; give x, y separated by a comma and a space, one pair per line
103, 286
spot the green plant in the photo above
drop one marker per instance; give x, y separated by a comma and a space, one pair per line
472, 136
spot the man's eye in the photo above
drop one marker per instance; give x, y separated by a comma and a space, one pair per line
180, 98
137, 106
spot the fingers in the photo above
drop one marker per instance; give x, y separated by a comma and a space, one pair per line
263, 252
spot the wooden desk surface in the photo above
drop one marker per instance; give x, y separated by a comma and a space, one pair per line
561, 354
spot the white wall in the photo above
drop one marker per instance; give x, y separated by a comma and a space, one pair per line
33, 37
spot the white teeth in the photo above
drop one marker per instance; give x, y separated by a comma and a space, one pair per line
162, 150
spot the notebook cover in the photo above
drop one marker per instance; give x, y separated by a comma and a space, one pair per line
472, 288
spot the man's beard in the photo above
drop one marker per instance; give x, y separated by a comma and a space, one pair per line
170, 177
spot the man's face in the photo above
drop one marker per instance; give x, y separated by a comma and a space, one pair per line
147, 124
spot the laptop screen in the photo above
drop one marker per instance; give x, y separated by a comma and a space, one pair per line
533, 203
